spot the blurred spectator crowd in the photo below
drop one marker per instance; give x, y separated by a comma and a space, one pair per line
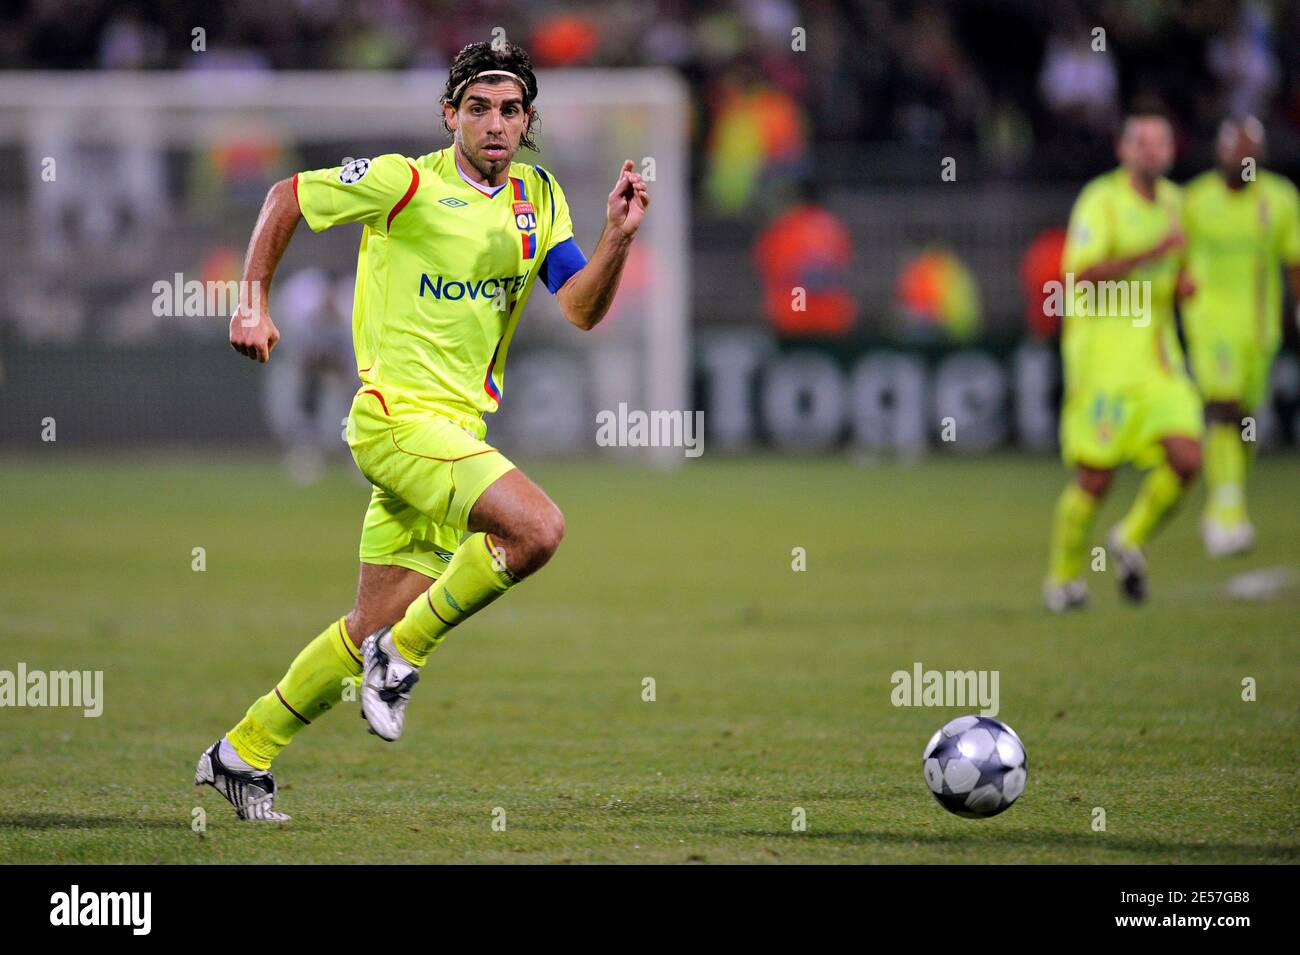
1017, 80
797, 109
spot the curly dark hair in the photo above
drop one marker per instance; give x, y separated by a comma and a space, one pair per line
477, 57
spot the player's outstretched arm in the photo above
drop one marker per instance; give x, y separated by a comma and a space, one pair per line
1113, 269
586, 297
252, 333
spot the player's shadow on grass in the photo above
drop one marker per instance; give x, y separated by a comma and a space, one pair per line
1001, 839
48, 820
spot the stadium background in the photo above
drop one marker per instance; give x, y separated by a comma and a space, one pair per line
910, 173
159, 540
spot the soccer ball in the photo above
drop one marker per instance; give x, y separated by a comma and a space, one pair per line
976, 766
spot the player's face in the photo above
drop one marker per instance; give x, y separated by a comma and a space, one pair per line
1236, 144
1147, 146
488, 125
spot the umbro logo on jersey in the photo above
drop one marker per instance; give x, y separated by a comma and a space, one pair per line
452, 202
354, 171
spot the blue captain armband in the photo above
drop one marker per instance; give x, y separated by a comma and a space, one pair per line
561, 263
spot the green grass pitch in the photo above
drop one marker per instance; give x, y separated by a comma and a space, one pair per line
773, 686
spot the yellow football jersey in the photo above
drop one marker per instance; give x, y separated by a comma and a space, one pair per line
444, 271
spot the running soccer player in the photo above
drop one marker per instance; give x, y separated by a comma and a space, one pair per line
452, 245
1128, 398
1243, 227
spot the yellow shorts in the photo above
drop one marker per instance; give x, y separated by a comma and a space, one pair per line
1230, 366
1104, 427
427, 470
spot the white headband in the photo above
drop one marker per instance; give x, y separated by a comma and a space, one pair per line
456, 93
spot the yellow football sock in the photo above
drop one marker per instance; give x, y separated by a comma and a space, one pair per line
313, 684
1161, 489
1076, 510
1225, 474
475, 577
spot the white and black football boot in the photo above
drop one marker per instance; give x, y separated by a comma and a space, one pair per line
1130, 568
386, 683
252, 794
1071, 595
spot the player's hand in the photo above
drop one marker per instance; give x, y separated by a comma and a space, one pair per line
628, 202
1186, 287
252, 333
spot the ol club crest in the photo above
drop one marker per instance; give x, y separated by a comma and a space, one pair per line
525, 217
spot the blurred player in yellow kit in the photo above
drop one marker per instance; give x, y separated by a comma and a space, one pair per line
452, 245
1243, 229
1128, 397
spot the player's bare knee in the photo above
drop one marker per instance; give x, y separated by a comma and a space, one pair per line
1095, 481
1187, 463
538, 541
552, 531
1183, 456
